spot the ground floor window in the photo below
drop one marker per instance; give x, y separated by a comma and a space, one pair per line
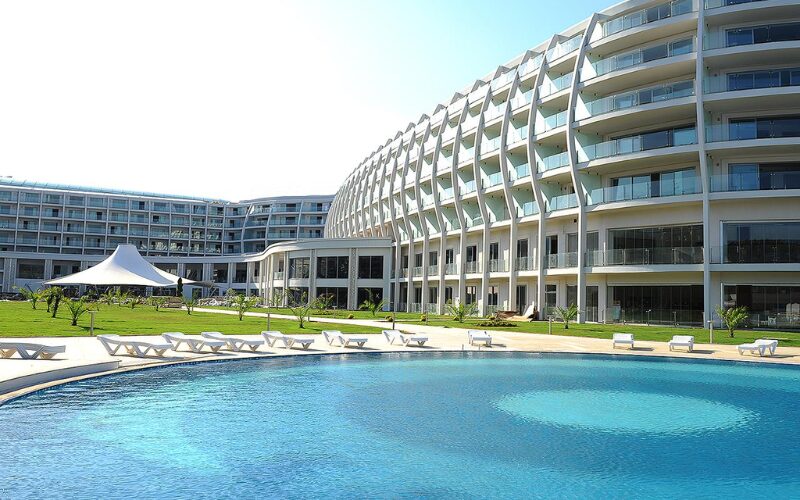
769, 305
297, 296
448, 294
549, 299
470, 294
592, 300
572, 295
492, 296
433, 294
30, 270
364, 293
338, 294
663, 304
522, 297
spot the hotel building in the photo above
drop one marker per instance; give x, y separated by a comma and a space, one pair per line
644, 165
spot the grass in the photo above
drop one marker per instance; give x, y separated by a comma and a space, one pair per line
18, 319
338, 314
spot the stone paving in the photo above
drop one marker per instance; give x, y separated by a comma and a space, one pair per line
86, 357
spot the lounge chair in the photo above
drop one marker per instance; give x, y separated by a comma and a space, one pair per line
271, 337
623, 339
344, 340
30, 351
235, 344
404, 338
762, 346
682, 341
479, 336
139, 348
195, 345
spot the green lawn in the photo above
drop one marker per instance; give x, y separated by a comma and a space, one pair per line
657, 333
17, 319
338, 314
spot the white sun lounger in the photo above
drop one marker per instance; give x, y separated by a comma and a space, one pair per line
344, 340
480, 336
30, 351
762, 346
271, 337
623, 339
139, 348
235, 344
682, 341
404, 338
195, 345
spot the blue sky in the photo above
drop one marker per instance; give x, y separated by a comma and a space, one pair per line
239, 99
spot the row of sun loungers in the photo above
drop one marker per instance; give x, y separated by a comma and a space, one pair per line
760, 346
30, 351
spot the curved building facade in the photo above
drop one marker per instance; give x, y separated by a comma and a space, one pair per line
643, 165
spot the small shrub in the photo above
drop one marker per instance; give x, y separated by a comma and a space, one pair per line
423, 317
388, 317
350, 316
494, 323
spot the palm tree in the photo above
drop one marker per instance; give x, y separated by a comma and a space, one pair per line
566, 314
462, 310
158, 302
76, 309
733, 317
54, 296
189, 304
242, 303
30, 295
300, 309
371, 305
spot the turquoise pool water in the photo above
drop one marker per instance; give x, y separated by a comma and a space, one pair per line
408, 426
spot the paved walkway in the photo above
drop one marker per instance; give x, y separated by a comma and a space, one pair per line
86, 357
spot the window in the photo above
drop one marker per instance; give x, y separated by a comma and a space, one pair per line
240, 275
472, 253
433, 294
666, 304
761, 242
522, 248
370, 267
448, 294
364, 293
298, 268
220, 273
470, 294
333, 267
572, 295
449, 256
766, 176
338, 294
30, 270
494, 251
491, 296
764, 128
763, 34
549, 297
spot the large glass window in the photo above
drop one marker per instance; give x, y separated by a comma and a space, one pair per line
30, 270
666, 304
333, 267
760, 79
761, 242
338, 294
655, 245
763, 34
764, 128
763, 176
299, 268
370, 267
771, 306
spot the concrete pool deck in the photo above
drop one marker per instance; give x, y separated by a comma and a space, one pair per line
85, 356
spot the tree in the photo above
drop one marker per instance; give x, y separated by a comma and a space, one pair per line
300, 309
733, 317
133, 300
189, 305
106, 298
242, 303
566, 314
462, 310
30, 295
158, 302
324, 302
120, 297
372, 305
276, 298
54, 296
77, 307
179, 292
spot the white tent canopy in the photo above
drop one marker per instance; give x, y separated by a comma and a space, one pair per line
123, 267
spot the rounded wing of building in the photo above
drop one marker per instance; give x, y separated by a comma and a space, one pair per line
643, 165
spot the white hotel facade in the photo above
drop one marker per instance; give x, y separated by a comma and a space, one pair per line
643, 164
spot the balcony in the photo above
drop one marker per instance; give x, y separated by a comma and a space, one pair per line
551, 87
528, 208
468, 187
641, 56
638, 143
752, 80
515, 135
552, 162
752, 35
451, 269
490, 145
754, 128
645, 256
444, 194
755, 181
644, 190
417, 271
531, 65
553, 122
521, 100
561, 260
649, 15
564, 48
520, 171
562, 202
472, 267
498, 266
473, 221
650, 95
433, 270
492, 180
715, 4
525, 264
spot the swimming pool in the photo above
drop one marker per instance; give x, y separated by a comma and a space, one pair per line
410, 425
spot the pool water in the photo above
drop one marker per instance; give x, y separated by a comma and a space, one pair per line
411, 425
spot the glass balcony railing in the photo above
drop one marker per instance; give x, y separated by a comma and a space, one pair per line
520, 171
472, 267
564, 48
522, 99
490, 145
561, 260
468, 187
466, 154
645, 142
755, 181
531, 65
644, 190
645, 16
556, 85
528, 208
715, 4
554, 121
494, 179
642, 56
446, 194
757, 252
645, 256
450, 269
503, 79
515, 135
640, 97
552, 162
562, 202
498, 266
469, 124
745, 130
493, 112
752, 35
474, 221
525, 264
751, 80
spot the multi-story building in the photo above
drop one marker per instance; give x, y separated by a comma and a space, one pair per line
643, 164
48, 231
